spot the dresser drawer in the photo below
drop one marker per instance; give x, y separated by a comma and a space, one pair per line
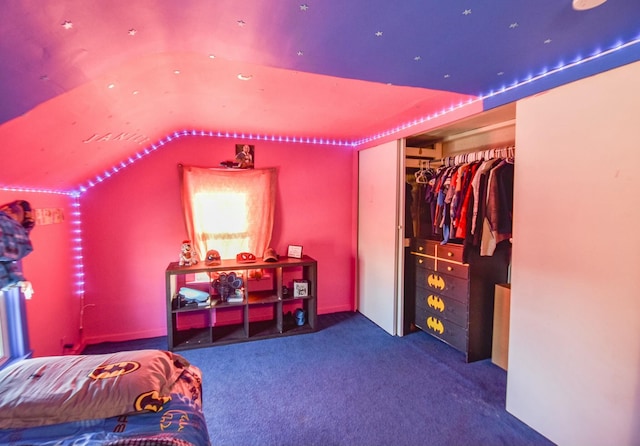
441, 328
426, 247
442, 306
452, 269
426, 262
436, 264
449, 252
453, 287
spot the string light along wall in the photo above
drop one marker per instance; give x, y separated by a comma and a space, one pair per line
76, 235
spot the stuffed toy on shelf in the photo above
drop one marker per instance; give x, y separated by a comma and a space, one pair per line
188, 255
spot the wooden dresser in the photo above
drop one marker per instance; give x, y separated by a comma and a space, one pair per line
454, 300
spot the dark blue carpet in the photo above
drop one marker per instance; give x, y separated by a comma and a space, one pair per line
350, 383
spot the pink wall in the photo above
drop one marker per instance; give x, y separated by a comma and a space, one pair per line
53, 311
133, 227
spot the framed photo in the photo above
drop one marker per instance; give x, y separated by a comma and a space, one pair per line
294, 251
245, 156
300, 288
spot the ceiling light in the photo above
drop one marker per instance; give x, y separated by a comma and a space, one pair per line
581, 5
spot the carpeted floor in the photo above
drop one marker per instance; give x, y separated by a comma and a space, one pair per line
350, 383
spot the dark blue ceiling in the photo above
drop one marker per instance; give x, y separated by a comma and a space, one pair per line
465, 46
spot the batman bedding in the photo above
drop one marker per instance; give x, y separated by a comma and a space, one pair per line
141, 398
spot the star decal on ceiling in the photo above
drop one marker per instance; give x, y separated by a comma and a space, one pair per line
300, 53
304, 7
514, 25
466, 12
132, 32
241, 23
417, 58
67, 24
447, 76
378, 33
547, 41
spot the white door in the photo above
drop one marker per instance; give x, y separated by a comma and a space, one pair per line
379, 235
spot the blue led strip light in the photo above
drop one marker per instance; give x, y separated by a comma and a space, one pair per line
76, 247
530, 79
39, 191
76, 234
178, 134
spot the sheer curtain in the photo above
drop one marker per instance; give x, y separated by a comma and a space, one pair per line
229, 210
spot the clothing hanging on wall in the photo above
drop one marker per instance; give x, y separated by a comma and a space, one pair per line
470, 199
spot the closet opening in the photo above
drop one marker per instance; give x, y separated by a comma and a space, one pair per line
458, 219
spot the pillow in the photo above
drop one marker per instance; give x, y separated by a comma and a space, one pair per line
57, 389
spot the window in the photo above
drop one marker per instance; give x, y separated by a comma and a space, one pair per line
231, 235
229, 210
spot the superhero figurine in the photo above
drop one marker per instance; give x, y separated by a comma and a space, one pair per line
188, 256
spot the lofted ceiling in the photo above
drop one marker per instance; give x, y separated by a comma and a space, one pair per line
87, 84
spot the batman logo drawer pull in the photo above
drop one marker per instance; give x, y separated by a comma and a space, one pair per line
435, 324
436, 281
436, 303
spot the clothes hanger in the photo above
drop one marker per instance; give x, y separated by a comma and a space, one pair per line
430, 170
421, 175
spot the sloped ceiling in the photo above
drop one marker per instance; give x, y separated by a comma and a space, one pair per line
87, 84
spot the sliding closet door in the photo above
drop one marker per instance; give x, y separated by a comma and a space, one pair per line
379, 233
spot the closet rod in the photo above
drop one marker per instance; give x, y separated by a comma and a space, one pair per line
501, 152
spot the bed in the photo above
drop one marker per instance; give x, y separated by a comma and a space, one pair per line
138, 398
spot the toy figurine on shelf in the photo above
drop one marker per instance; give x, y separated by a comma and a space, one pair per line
188, 255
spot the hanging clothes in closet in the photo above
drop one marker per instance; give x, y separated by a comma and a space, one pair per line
421, 213
470, 200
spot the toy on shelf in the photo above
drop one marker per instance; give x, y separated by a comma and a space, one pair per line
188, 255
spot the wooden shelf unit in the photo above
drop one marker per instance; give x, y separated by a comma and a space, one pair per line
260, 314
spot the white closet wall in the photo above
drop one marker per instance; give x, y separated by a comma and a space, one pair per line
380, 233
574, 352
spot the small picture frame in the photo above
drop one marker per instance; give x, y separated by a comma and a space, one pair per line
294, 251
245, 156
300, 288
